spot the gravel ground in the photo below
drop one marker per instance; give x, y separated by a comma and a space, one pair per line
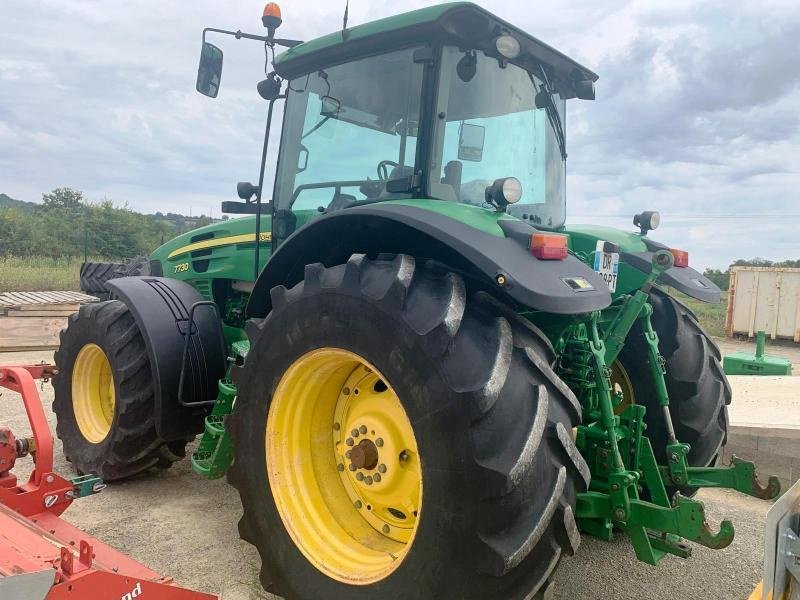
181, 525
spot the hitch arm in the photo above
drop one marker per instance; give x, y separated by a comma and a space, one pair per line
740, 476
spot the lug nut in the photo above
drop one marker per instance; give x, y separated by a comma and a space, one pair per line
368, 479
336, 427
404, 456
360, 476
362, 429
354, 433
377, 477
379, 442
352, 467
346, 391
340, 467
386, 529
357, 504
349, 441
348, 454
382, 468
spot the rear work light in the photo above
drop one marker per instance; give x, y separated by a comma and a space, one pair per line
681, 257
549, 246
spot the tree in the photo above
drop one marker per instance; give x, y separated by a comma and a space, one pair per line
63, 198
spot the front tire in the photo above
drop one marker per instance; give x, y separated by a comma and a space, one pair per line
472, 384
104, 398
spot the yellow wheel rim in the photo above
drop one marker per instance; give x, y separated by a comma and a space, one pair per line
93, 393
622, 386
343, 466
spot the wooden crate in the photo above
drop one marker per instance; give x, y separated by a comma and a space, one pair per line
33, 320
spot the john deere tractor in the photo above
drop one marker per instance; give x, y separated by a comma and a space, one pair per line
422, 382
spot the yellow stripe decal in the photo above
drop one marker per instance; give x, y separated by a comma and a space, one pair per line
223, 241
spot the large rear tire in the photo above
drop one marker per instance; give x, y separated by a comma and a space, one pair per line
93, 277
463, 380
104, 398
698, 390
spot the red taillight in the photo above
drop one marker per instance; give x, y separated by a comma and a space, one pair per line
681, 257
549, 246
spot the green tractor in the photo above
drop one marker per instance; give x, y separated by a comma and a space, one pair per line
422, 382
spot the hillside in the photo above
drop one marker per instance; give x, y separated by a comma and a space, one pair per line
9, 202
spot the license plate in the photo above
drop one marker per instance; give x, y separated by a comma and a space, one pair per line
606, 264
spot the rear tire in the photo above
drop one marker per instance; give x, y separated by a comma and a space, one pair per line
133, 267
93, 277
125, 442
698, 390
492, 423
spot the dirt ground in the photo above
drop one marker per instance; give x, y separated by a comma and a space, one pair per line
185, 526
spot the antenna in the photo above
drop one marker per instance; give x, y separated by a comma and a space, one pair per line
344, 21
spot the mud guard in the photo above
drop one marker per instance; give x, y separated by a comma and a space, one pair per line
161, 308
501, 264
685, 279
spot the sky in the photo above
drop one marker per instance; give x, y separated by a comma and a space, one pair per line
697, 112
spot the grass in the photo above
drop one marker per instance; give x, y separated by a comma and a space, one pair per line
711, 316
41, 274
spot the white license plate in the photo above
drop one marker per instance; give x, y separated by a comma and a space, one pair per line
606, 264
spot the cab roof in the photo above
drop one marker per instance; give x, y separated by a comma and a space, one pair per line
459, 23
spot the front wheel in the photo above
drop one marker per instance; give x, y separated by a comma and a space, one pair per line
104, 397
396, 438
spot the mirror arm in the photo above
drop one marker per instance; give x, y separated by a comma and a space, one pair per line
249, 36
261, 184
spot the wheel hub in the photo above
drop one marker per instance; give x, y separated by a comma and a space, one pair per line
343, 466
377, 454
93, 395
364, 456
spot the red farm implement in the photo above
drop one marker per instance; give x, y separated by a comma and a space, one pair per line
41, 555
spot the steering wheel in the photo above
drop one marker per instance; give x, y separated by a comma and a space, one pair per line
383, 169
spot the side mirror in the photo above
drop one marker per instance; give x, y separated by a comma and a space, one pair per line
330, 107
209, 73
470, 142
584, 89
246, 190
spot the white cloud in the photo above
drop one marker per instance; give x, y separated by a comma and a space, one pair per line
696, 112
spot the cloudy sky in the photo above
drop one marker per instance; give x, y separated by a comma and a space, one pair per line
697, 111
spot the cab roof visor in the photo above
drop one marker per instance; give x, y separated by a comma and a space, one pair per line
458, 23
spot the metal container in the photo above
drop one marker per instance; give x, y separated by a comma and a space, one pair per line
764, 299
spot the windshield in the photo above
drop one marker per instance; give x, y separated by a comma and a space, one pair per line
492, 129
349, 129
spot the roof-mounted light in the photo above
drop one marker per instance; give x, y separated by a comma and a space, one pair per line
647, 220
272, 18
508, 46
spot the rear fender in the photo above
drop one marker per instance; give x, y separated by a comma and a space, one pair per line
501, 263
161, 308
684, 279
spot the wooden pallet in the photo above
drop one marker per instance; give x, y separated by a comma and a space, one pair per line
33, 320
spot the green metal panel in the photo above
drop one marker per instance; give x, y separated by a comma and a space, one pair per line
221, 250
373, 28
583, 241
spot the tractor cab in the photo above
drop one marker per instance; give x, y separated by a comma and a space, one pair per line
446, 103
